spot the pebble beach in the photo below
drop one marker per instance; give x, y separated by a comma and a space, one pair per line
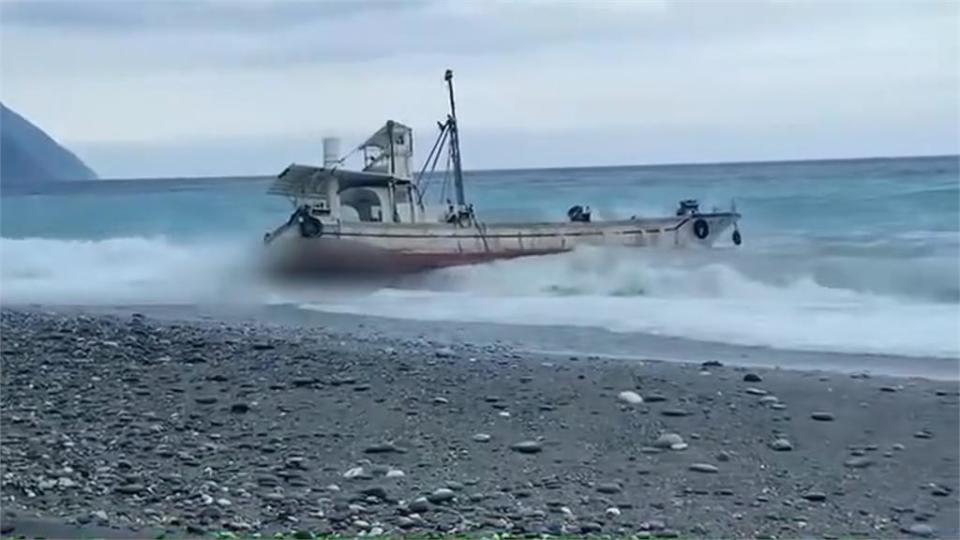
129, 426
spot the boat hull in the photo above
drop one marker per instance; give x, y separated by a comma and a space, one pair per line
395, 248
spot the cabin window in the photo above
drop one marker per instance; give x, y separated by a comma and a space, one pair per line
365, 202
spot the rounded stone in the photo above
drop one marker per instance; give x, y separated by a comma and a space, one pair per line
919, 529
420, 504
527, 447
781, 445
441, 495
239, 408
858, 462
609, 488
667, 440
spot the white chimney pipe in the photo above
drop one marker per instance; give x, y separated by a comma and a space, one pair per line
331, 152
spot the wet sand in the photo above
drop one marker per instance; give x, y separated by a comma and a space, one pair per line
141, 425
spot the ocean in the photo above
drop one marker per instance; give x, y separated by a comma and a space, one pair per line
859, 256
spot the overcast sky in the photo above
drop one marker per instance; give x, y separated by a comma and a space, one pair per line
173, 87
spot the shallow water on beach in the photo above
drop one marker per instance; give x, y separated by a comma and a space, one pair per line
852, 256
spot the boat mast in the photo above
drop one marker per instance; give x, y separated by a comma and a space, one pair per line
454, 142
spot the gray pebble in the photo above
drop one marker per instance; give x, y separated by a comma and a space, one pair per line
590, 527
822, 416
383, 448
781, 445
858, 462
441, 495
420, 504
668, 440
609, 488
129, 489
704, 468
527, 447
919, 529
239, 408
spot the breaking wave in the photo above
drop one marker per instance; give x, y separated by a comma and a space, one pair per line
118, 271
849, 305
836, 301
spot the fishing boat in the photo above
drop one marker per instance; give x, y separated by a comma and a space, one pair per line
375, 220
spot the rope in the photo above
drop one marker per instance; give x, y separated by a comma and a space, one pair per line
481, 232
344, 158
436, 144
446, 179
436, 157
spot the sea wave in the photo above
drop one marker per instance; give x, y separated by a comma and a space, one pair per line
740, 296
117, 271
698, 295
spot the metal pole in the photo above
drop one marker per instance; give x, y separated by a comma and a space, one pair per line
455, 142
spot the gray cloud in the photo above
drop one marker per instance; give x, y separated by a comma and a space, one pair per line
161, 15
562, 82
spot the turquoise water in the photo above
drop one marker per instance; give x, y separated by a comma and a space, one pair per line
838, 255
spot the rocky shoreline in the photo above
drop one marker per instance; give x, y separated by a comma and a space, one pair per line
128, 426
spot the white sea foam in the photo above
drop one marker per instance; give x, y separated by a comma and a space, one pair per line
731, 296
119, 271
628, 292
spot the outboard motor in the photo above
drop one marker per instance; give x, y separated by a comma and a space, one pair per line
579, 214
688, 206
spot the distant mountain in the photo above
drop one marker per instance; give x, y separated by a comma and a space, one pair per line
27, 154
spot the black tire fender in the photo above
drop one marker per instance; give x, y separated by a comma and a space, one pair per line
310, 227
701, 229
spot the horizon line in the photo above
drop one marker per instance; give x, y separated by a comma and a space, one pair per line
580, 167
517, 169
706, 163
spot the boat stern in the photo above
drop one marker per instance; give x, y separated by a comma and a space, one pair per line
706, 229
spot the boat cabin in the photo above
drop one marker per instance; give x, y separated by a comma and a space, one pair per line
382, 192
